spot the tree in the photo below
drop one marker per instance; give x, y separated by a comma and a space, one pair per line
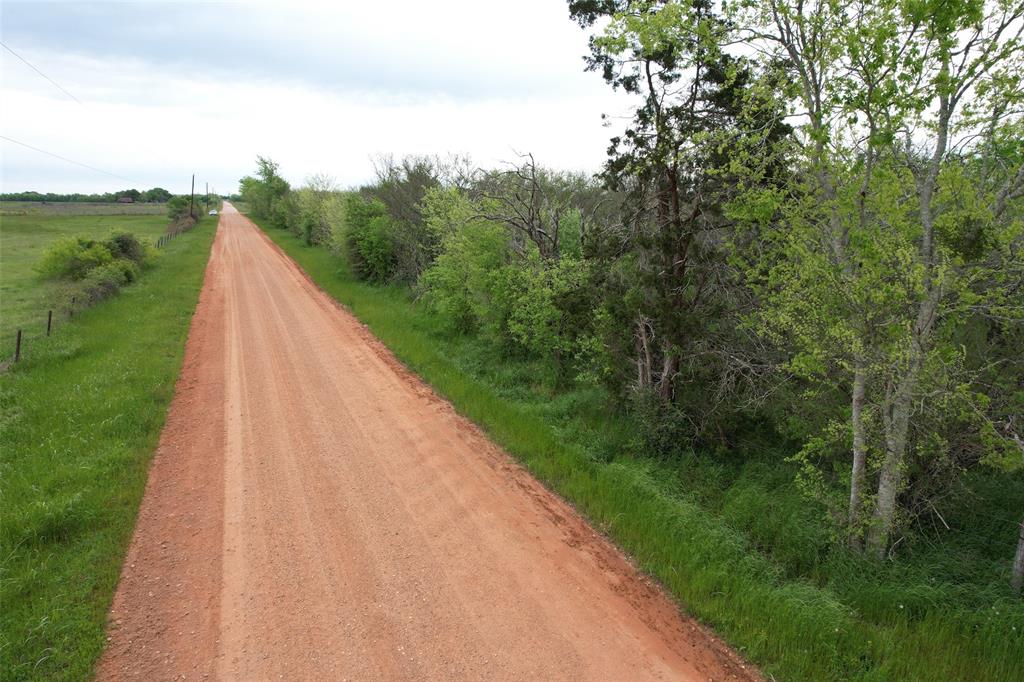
369, 239
319, 207
675, 163
902, 231
537, 206
401, 187
269, 195
177, 207
157, 194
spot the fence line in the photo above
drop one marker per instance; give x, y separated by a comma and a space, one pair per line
174, 230
20, 337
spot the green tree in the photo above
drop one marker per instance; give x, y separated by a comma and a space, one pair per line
699, 108
178, 207
319, 208
269, 195
157, 194
905, 226
369, 239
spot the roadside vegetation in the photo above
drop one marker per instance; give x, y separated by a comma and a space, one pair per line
774, 349
79, 420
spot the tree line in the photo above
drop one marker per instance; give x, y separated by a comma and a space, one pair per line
154, 195
811, 230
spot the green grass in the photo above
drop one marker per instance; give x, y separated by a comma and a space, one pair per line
66, 208
732, 540
79, 420
24, 295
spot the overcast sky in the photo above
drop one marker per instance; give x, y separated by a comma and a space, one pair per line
165, 89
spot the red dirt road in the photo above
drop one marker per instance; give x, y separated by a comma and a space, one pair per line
314, 511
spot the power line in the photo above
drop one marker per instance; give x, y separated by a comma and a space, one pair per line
29, 64
80, 103
64, 158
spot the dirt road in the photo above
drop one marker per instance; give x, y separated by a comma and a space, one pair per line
315, 512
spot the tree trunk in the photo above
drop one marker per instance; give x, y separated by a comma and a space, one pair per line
1017, 581
891, 477
643, 360
859, 457
669, 369
896, 419
897, 422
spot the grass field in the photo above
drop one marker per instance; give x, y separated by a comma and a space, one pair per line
68, 208
24, 237
732, 540
79, 419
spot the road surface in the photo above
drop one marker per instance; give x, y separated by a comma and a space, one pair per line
314, 511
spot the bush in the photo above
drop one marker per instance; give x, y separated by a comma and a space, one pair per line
98, 269
553, 314
128, 270
461, 285
103, 282
178, 207
73, 258
126, 245
368, 239
319, 210
284, 214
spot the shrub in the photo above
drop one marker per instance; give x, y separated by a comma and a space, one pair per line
103, 282
96, 269
553, 314
128, 270
319, 208
368, 239
461, 284
376, 251
284, 214
73, 258
126, 245
178, 207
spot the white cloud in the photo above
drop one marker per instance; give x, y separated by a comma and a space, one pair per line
432, 79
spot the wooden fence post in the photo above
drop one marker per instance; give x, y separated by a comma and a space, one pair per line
17, 347
49, 321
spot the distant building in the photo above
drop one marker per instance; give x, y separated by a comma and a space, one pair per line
125, 200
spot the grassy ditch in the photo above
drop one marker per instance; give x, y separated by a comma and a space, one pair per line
729, 542
79, 420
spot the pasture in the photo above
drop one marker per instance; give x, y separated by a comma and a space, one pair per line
69, 208
27, 230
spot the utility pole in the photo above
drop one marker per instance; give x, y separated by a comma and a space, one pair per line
207, 197
192, 198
